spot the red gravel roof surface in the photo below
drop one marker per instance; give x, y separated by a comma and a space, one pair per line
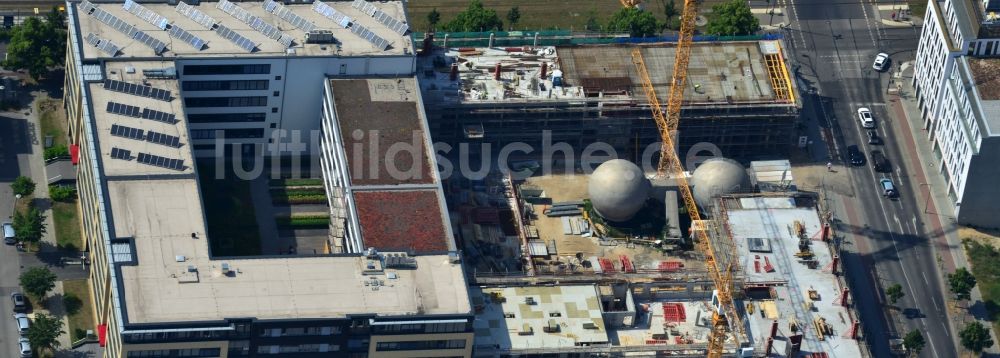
401, 220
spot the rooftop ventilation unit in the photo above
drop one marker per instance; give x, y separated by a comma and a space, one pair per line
165, 73
320, 37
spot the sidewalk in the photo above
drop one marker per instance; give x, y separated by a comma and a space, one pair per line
939, 219
897, 15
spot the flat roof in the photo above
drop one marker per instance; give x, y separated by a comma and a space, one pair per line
789, 279
507, 316
719, 73
161, 215
348, 43
985, 74
382, 114
130, 73
402, 220
659, 328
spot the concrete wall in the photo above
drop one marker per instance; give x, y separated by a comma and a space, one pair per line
979, 204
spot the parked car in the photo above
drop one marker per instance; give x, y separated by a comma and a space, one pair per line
888, 189
865, 116
9, 236
855, 155
20, 304
25, 347
881, 62
22, 322
873, 137
879, 162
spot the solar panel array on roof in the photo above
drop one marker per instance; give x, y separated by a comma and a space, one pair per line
382, 17
138, 90
255, 22
123, 109
194, 14
158, 116
127, 132
146, 14
163, 139
179, 33
235, 38
158, 161
286, 14
123, 154
104, 45
123, 27
86, 7
370, 36
332, 14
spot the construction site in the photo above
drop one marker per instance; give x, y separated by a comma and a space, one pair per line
739, 96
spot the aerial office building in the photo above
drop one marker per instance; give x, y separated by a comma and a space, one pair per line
955, 80
150, 87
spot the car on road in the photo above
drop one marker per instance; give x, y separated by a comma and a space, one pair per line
25, 346
881, 62
873, 137
20, 304
888, 189
855, 155
22, 322
9, 236
880, 162
865, 116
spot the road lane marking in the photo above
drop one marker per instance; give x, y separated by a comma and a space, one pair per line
795, 19
925, 278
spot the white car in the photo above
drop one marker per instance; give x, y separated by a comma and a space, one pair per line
880, 61
25, 347
22, 322
865, 116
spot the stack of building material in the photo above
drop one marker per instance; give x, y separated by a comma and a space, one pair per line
670, 266
674, 312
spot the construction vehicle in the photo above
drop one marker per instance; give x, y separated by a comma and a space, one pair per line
725, 315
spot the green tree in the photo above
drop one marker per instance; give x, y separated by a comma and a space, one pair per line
669, 12
433, 18
29, 225
23, 186
636, 22
513, 16
914, 342
57, 151
961, 283
36, 45
975, 337
894, 293
44, 332
475, 18
592, 23
63, 193
38, 281
732, 18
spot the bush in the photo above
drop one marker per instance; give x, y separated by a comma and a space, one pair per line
72, 303
58, 151
303, 222
79, 333
23, 186
63, 193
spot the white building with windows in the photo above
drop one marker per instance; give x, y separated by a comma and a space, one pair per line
957, 82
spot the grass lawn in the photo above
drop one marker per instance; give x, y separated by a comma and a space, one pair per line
83, 319
232, 224
984, 254
535, 15
53, 120
917, 8
67, 223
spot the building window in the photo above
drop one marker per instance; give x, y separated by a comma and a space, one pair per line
248, 69
204, 147
277, 78
185, 353
225, 117
228, 133
274, 109
420, 345
252, 101
343, 69
277, 93
274, 125
234, 85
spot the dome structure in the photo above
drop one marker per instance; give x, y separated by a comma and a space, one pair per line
618, 189
716, 177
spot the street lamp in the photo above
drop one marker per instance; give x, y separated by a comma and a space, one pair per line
14, 207
927, 199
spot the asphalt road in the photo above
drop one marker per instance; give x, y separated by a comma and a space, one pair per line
14, 147
834, 43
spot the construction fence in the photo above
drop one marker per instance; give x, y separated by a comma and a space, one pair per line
564, 38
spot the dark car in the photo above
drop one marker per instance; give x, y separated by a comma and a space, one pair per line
20, 304
855, 155
873, 137
880, 162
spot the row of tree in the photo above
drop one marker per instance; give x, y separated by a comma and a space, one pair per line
730, 18
974, 336
37, 45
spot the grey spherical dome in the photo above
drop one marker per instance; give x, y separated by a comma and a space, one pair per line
618, 189
716, 177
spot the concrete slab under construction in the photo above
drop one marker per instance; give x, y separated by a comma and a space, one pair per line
786, 286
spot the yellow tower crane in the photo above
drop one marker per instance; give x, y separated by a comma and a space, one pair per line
670, 163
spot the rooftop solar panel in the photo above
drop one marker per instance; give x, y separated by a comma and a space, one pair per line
255, 22
136, 89
123, 154
194, 14
158, 161
123, 109
179, 33
146, 14
235, 38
